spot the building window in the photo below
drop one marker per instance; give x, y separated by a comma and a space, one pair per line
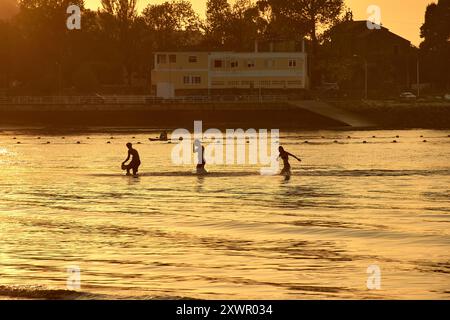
161, 58
172, 58
292, 63
218, 63
192, 80
193, 59
234, 64
196, 80
251, 63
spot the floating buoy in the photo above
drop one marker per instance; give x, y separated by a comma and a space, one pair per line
348, 137
364, 141
180, 139
39, 138
78, 142
14, 138
63, 138
395, 141
48, 142
373, 137
421, 136
425, 141
323, 137
133, 138
112, 138
397, 137
108, 142
335, 141
87, 138
138, 143
306, 142
18, 142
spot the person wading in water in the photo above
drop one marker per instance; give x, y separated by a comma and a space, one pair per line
135, 160
284, 155
200, 150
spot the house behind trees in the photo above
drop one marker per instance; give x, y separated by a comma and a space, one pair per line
391, 59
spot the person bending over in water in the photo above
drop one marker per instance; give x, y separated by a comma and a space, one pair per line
200, 150
135, 160
285, 156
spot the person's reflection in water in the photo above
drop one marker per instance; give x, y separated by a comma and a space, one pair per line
201, 181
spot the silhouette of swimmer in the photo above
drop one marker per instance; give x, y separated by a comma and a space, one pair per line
284, 155
163, 136
135, 160
200, 150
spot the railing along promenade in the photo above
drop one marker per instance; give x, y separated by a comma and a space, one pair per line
130, 100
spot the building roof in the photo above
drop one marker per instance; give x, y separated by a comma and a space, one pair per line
359, 30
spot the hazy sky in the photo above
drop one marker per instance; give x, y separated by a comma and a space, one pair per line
403, 17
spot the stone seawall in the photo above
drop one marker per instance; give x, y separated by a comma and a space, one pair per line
250, 115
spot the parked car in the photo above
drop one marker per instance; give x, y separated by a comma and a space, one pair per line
407, 96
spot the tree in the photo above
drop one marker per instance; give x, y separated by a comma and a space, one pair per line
245, 25
173, 24
299, 18
124, 10
43, 44
307, 16
233, 27
85, 80
217, 18
436, 28
120, 16
435, 49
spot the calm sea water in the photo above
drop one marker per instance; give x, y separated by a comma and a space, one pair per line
233, 234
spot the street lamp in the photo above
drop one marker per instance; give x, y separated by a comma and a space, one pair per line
366, 78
